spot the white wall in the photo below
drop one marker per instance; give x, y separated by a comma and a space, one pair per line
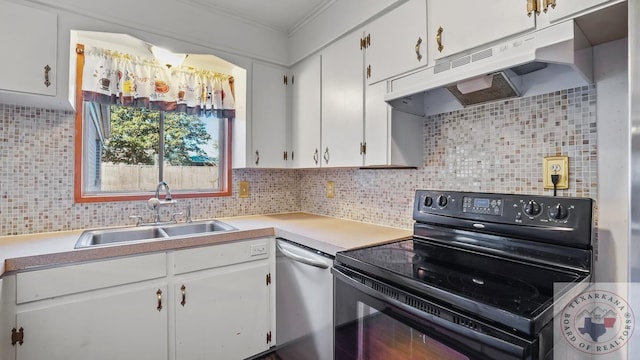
610, 69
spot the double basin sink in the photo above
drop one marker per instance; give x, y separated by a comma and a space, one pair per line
91, 238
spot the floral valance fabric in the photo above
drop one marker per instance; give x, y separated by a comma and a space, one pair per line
110, 77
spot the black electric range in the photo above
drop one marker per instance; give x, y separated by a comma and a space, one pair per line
502, 259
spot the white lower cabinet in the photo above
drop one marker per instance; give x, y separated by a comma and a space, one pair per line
123, 325
211, 302
224, 300
226, 313
113, 309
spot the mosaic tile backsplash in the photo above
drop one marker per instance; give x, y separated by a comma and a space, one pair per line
498, 147
495, 148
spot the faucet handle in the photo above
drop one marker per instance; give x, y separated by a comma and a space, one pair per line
153, 203
188, 213
174, 217
138, 219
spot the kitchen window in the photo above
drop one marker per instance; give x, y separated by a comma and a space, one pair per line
129, 144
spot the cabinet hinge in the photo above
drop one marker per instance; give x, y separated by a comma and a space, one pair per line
269, 337
363, 148
285, 80
268, 279
533, 7
17, 336
365, 42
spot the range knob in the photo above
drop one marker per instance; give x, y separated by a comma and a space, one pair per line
532, 208
428, 201
558, 212
442, 201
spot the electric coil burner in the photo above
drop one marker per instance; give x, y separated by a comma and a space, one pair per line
476, 279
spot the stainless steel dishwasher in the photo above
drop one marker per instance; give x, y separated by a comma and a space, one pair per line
304, 302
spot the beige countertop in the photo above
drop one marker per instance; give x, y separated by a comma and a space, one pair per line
323, 233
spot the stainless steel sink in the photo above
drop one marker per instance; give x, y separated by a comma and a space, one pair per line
92, 238
196, 228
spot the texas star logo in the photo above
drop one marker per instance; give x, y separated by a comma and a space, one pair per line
597, 322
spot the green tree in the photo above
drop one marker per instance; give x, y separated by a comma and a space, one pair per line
135, 133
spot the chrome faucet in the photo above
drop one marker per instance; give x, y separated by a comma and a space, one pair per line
155, 202
167, 195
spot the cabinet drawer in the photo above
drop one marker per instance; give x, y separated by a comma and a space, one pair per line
221, 255
43, 284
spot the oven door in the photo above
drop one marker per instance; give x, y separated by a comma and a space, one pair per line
387, 323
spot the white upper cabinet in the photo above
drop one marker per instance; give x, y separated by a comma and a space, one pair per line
564, 9
305, 117
459, 25
396, 42
342, 102
270, 116
29, 40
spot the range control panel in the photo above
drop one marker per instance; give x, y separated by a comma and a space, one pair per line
539, 215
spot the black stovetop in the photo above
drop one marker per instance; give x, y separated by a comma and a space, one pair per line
502, 257
512, 293
509, 285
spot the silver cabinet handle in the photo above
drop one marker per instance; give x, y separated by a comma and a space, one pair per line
315, 156
312, 262
257, 157
326, 155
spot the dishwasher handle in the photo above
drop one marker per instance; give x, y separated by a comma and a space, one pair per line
312, 262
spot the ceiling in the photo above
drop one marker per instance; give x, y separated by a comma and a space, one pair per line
281, 15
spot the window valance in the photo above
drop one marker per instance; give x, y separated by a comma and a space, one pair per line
111, 77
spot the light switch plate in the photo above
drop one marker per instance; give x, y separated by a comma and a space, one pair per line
244, 189
556, 165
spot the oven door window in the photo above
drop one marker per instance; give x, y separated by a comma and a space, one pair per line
378, 336
370, 326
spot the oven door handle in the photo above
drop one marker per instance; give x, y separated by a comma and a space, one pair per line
299, 258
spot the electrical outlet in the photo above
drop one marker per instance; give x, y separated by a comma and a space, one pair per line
556, 165
331, 189
244, 189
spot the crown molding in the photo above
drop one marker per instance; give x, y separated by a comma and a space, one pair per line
310, 16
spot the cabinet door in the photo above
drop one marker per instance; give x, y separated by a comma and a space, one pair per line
376, 125
468, 24
566, 8
123, 325
398, 41
342, 102
29, 39
226, 313
305, 117
269, 116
